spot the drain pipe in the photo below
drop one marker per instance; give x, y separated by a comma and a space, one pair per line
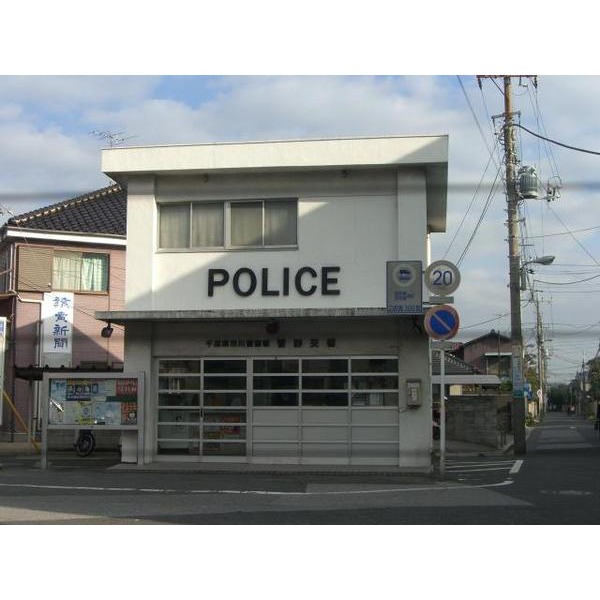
34, 411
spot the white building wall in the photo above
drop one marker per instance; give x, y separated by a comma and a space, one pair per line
355, 221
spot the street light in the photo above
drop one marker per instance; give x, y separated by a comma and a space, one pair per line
542, 260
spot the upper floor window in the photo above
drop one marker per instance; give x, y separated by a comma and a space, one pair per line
230, 224
44, 269
79, 271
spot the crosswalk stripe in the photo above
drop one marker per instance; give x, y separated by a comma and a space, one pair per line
516, 467
508, 463
475, 470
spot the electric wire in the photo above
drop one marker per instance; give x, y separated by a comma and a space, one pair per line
554, 234
555, 142
571, 233
491, 158
566, 282
486, 206
468, 208
485, 141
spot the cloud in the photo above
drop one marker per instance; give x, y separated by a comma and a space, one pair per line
64, 93
46, 149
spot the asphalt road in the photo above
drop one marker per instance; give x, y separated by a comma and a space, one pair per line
556, 482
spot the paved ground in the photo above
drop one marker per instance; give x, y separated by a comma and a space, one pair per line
26, 453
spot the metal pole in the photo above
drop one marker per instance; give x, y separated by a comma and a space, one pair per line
540, 352
442, 413
514, 263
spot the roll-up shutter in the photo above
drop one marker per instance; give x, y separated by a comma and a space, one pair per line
34, 269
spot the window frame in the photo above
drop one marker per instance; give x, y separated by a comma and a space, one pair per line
81, 254
48, 252
227, 222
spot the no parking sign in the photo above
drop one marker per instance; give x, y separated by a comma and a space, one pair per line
441, 322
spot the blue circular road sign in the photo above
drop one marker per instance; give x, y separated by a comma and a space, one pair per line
441, 322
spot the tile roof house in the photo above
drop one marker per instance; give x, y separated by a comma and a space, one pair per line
460, 375
489, 353
101, 212
72, 251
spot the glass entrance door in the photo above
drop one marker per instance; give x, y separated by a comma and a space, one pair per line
202, 407
224, 402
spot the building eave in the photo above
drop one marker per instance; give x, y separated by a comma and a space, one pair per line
102, 239
125, 316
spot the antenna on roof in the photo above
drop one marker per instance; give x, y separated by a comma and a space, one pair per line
114, 139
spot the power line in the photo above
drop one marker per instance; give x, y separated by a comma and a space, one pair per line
481, 217
468, 208
574, 238
545, 235
555, 142
566, 282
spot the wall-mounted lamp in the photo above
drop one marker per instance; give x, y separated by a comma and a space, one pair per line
272, 327
107, 331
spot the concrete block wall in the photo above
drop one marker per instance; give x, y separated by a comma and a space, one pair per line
472, 419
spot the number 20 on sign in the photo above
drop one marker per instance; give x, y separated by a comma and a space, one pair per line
442, 277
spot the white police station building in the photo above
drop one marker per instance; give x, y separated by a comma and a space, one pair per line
257, 301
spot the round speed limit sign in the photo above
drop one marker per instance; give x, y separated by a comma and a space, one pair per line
442, 277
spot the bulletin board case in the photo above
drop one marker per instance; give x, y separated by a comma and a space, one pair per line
96, 401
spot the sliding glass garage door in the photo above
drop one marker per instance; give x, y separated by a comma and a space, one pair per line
202, 407
312, 409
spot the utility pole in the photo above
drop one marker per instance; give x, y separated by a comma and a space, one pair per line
514, 265
541, 357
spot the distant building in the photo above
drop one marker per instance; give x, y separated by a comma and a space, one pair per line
460, 378
490, 354
58, 265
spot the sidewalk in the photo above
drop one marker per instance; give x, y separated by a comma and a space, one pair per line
24, 451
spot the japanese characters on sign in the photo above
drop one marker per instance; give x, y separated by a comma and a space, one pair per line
57, 315
404, 287
275, 343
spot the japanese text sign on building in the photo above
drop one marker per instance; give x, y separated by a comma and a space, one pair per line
57, 316
404, 291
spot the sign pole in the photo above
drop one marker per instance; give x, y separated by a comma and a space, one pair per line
442, 413
45, 418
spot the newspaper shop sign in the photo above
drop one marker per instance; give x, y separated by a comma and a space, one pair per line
57, 318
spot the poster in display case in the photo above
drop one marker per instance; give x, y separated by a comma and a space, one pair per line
96, 401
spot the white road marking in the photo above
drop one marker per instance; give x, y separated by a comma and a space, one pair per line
474, 470
516, 467
480, 464
433, 488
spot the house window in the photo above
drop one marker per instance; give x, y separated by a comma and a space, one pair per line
228, 225
79, 271
5, 271
45, 268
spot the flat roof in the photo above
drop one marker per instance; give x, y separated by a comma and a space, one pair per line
428, 151
283, 154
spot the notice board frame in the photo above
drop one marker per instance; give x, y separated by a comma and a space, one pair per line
49, 403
